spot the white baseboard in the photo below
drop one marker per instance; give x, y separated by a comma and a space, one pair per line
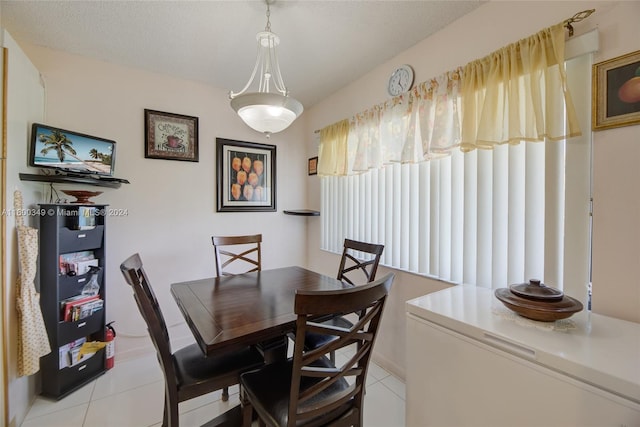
388, 365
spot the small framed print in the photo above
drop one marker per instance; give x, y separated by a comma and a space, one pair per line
170, 136
616, 92
246, 174
313, 166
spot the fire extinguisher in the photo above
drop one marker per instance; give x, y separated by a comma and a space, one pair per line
109, 338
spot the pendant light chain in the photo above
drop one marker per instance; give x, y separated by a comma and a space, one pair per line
268, 27
266, 74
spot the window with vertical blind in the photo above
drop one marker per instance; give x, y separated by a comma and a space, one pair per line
484, 217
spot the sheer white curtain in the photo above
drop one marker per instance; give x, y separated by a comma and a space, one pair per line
518, 93
416, 126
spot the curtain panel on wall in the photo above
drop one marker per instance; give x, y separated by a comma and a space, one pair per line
420, 125
332, 153
518, 93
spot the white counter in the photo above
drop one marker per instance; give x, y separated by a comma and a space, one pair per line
599, 352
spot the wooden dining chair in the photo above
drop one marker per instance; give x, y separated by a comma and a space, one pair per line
308, 390
188, 372
353, 270
237, 254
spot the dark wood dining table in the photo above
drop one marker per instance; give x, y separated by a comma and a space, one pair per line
247, 309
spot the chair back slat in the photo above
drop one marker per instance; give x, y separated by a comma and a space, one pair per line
359, 262
317, 398
237, 254
145, 298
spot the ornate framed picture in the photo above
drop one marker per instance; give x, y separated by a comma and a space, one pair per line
246, 174
616, 92
170, 136
313, 166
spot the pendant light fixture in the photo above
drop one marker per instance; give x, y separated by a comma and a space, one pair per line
266, 111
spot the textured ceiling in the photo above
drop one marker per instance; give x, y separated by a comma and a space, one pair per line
324, 46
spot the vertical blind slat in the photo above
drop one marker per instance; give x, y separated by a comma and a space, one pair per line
405, 201
425, 219
534, 211
396, 200
366, 214
383, 211
516, 209
457, 216
500, 221
434, 214
554, 215
470, 217
414, 218
444, 248
390, 215
484, 214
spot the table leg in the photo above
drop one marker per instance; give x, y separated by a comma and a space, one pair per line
248, 414
274, 350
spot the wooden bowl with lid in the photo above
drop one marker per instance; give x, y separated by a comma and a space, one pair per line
536, 301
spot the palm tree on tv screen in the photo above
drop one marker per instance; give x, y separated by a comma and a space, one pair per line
62, 145
104, 158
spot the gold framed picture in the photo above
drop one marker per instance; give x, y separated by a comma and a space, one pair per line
616, 92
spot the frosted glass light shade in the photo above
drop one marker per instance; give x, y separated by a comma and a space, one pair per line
267, 112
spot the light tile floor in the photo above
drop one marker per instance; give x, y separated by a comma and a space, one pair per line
131, 395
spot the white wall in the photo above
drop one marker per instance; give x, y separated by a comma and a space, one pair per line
170, 204
25, 101
493, 25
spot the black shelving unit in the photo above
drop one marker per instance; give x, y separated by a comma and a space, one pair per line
59, 234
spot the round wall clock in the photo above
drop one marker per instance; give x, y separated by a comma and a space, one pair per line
401, 80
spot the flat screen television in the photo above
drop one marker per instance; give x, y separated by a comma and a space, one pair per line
71, 152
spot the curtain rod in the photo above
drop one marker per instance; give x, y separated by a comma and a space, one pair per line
567, 24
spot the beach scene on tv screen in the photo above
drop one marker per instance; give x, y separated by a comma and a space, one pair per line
60, 149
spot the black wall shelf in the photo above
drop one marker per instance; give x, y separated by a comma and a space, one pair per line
65, 179
302, 212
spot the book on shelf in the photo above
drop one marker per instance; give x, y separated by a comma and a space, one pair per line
77, 263
70, 354
86, 218
82, 311
71, 308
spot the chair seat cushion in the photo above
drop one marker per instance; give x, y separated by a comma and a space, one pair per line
268, 390
313, 340
193, 366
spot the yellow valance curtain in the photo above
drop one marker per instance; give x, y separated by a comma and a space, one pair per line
332, 153
518, 93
